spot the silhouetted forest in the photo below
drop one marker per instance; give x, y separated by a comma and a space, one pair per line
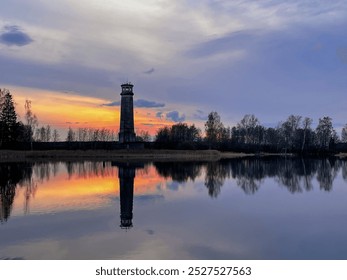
294, 135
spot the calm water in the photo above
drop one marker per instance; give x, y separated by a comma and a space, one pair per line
234, 209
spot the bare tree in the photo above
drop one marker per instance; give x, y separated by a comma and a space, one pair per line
289, 130
71, 135
144, 136
56, 136
214, 127
306, 126
31, 121
48, 133
248, 129
2, 98
42, 134
344, 134
82, 134
325, 132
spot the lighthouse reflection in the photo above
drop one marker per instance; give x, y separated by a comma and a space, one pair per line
126, 176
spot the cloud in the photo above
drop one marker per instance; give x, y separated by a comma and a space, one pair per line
147, 124
200, 115
148, 197
112, 104
229, 42
150, 231
13, 36
159, 115
139, 103
173, 186
175, 116
57, 77
150, 71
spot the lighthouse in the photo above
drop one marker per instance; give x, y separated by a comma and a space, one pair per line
126, 131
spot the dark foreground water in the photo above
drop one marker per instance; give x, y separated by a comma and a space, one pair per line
235, 209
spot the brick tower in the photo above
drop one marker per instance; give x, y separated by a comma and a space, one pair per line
126, 131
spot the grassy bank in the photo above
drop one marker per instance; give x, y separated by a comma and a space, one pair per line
68, 155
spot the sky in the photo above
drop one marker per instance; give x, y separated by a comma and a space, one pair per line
185, 58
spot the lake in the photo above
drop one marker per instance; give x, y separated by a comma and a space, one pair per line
250, 208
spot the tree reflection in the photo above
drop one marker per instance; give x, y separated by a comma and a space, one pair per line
326, 174
179, 171
294, 173
248, 174
11, 175
88, 169
290, 175
344, 170
30, 190
215, 175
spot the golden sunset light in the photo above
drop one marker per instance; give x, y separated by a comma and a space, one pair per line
64, 110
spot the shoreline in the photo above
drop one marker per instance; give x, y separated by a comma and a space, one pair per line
131, 155
119, 155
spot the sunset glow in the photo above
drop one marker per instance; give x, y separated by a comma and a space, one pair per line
62, 110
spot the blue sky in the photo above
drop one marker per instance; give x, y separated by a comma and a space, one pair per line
187, 58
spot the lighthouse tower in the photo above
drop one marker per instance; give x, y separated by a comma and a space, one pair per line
126, 131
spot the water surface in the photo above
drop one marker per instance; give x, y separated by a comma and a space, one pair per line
273, 208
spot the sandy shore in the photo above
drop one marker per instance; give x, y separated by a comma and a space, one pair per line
165, 155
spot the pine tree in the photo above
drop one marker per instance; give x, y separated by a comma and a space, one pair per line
8, 117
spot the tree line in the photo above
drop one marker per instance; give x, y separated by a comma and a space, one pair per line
294, 135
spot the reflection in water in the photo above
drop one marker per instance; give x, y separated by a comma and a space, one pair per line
126, 189
296, 174
12, 175
216, 173
89, 169
327, 173
179, 171
126, 174
344, 170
